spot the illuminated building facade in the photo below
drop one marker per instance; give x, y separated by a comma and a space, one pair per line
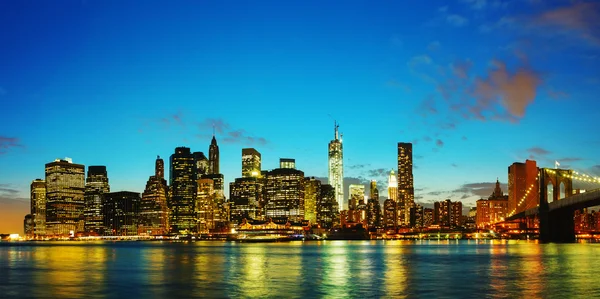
38, 207
373, 206
213, 156
251, 163
447, 213
96, 185
28, 226
221, 209
244, 196
406, 190
427, 217
154, 211
327, 207
65, 205
312, 192
357, 196
121, 213
182, 197
284, 194
206, 205
493, 209
202, 164
521, 177
336, 168
390, 217
287, 163
392, 186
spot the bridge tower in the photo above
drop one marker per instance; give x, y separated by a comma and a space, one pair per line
556, 226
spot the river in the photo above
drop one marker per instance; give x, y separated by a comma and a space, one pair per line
331, 269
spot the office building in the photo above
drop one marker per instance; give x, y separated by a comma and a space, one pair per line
96, 185
28, 226
312, 193
406, 191
251, 163
213, 156
183, 188
65, 204
284, 194
447, 213
336, 168
206, 205
244, 197
202, 164
521, 178
357, 196
392, 186
38, 207
327, 207
154, 211
373, 206
121, 213
491, 210
390, 217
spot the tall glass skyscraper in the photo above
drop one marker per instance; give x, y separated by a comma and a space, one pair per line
182, 199
251, 163
154, 212
65, 205
96, 186
336, 168
38, 207
406, 189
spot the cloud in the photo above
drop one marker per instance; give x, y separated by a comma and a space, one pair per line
358, 166
514, 91
427, 106
570, 159
241, 136
439, 143
464, 138
219, 125
379, 172
580, 18
457, 20
483, 189
461, 68
454, 165
538, 151
5, 188
7, 143
176, 119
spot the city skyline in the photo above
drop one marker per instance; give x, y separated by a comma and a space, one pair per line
118, 96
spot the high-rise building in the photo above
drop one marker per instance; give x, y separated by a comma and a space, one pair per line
154, 211
336, 168
416, 216
251, 163
206, 205
406, 190
182, 199
284, 194
121, 213
96, 185
327, 207
357, 196
65, 204
392, 186
312, 194
28, 226
202, 164
427, 217
220, 213
493, 209
213, 156
373, 206
287, 163
390, 217
522, 177
447, 213
38, 207
244, 197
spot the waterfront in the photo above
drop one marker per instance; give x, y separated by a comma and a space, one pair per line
465, 269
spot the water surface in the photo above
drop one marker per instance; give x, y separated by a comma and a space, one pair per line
434, 269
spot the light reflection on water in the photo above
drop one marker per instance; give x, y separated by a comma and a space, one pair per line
448, 268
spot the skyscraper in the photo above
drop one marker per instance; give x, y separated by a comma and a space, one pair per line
406, 190
312, 194
521, 178
287, 163
373, 206
390, 217
244, 196
327, 207
65, 203
182, 199
251, 163
357, 196
154, 211
206, 205
28, 226
284, 194
336, 168
96, 186
38, 207
121, 213
213, 156
392, 186
202, 164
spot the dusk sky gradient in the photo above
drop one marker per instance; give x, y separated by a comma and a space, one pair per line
475, 85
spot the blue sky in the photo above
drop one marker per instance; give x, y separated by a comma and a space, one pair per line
475, 85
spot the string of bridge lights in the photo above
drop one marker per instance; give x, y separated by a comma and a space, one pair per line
523, 198
577, 176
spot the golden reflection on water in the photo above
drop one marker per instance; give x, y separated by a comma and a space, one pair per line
253, 281
336, 267
395, 275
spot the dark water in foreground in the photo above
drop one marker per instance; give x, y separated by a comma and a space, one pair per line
444, 269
